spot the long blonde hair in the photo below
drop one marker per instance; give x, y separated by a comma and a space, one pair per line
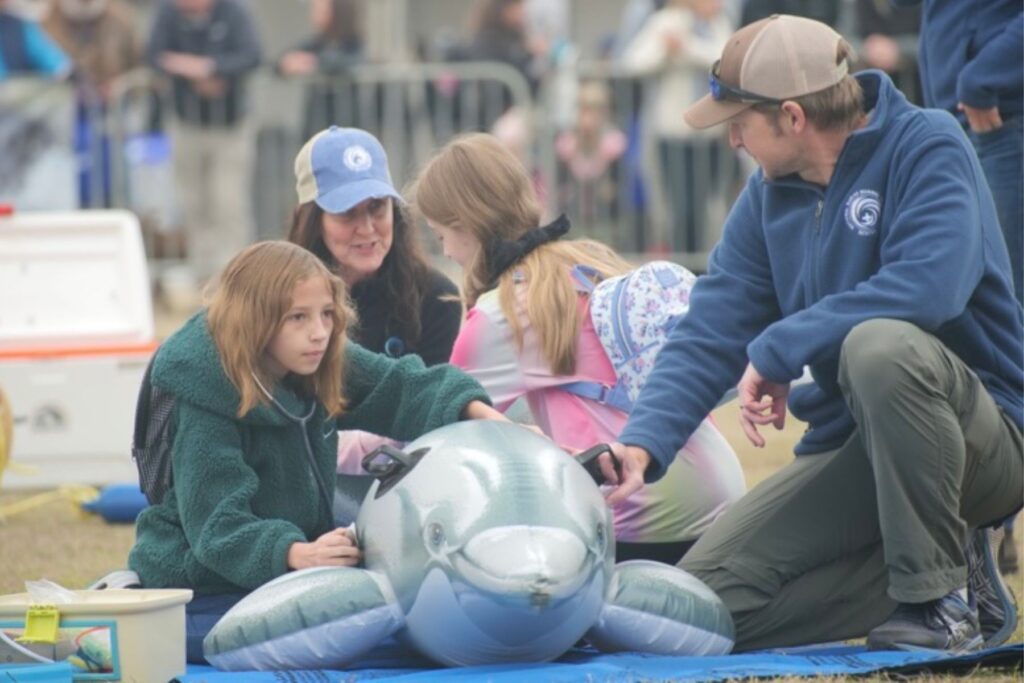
246, 312
476, 185
550, 299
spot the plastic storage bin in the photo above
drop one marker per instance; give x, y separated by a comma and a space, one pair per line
109, 635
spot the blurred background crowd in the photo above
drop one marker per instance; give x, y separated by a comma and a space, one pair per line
190, 112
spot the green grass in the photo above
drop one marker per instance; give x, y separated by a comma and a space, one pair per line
59, 542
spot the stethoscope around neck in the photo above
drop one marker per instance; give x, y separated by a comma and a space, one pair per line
302, 421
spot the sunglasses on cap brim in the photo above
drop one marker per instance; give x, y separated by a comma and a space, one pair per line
723, 91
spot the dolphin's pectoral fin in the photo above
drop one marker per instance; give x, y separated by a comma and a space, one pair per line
659, 609
318, 618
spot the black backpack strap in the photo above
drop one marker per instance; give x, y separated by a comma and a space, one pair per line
142, 408
153, 437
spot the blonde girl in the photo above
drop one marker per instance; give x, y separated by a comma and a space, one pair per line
263, 379
528, 331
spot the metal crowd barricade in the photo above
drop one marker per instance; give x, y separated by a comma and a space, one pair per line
412, 108
52, 153
634, 207
142, 178
611, 207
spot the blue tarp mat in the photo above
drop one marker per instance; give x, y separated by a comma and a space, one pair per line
36, 673
588, 665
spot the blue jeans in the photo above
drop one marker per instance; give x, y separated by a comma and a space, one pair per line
200, 616
1001, 153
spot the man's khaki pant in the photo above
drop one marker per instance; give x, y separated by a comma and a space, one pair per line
213, 173
824, 549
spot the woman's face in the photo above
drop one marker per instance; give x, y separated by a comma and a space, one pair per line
360, 238
458, 245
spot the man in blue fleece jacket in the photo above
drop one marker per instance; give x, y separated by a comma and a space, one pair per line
865, 247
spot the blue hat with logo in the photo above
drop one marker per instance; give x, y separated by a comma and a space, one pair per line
341, 167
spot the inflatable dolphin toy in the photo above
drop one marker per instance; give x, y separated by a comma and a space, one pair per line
483, 543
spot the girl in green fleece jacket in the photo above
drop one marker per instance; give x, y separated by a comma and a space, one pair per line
263, 380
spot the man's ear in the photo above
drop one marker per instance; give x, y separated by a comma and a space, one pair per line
793, 116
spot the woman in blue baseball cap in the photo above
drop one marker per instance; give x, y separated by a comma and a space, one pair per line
350, 215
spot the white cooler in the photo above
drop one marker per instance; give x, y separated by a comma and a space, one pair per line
76, 333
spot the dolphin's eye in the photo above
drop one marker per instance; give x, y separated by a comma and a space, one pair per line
435, 534
599, 535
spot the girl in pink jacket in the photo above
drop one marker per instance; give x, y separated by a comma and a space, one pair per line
528, 332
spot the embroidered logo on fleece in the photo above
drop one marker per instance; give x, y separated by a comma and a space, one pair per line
356, 158
862, 211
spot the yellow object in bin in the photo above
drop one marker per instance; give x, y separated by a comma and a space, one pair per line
109, 635
41, 623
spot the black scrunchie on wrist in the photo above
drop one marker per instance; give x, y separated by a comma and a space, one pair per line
503, 254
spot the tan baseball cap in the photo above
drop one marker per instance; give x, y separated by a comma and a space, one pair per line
770, 60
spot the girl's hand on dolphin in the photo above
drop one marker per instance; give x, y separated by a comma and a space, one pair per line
633, 461
336, 548
478, 410
571, 450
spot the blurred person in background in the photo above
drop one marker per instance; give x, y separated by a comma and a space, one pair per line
101, 39
337, 43
889, 42
351, 216
825, 11
499, 34
26, 49
676, 47
546, 24
588, 153
635, 14
208, 48
971, 66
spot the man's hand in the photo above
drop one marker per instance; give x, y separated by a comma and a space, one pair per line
186, 65
761, 403
981, 120
673, 44
634, 462
336, 548
298, 63
211, 88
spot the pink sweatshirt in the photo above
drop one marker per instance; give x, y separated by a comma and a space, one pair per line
703, 480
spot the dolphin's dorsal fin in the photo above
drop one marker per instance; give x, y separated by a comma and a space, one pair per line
389, 464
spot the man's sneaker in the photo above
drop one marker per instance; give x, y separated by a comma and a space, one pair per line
948, 623
997, 608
